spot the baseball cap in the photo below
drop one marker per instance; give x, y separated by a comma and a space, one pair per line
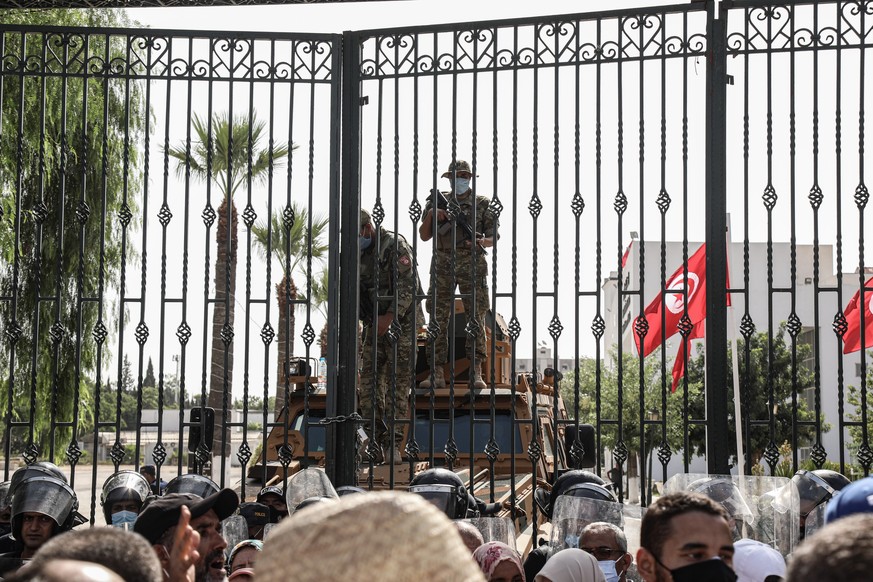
756, 562
854, 498
255, 513
163, 512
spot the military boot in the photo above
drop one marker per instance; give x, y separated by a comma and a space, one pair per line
439, 379
476, 380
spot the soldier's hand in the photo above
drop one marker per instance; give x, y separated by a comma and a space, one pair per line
384, 323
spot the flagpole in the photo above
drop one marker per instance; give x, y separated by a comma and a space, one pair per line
735, 365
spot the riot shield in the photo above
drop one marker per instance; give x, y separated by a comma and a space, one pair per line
572, 515
234, 529
766, 509
494, 529
310, 482
815, 520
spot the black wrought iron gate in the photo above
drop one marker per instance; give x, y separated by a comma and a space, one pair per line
609, 146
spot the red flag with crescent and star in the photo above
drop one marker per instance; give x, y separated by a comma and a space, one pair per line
672, 303
852, 337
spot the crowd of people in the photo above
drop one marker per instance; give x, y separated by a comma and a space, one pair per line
192, 530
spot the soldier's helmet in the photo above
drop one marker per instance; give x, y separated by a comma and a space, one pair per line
349, 490
457, 166
48, 496
123, 486
193, 483
576, 483
444, 489
817, 487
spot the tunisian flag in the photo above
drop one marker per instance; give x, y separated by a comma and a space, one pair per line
673, 303
852, 337
697, 332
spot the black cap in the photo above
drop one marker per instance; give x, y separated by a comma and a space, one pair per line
163, 513
150, 469
255, 513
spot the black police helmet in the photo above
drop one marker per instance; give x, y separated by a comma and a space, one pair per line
444, 489
193, 483
47, 496
546, 501
123, 486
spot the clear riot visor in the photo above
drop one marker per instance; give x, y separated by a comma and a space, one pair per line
192, 483
131, 482
812, 489
726, 493
443, 497
573, 514
308, 483
47, 496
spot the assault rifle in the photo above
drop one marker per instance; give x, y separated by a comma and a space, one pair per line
469, 233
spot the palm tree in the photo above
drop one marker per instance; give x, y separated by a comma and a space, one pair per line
226, 152
290, 246
319, 301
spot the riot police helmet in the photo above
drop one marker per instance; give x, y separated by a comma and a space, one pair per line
349, 490
444, 489
123, 486
48, 496
724, 491
594, 487
38, 469
817, 487
193, 483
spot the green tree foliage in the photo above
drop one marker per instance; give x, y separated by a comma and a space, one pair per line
855, 414
291, 247
605, 390
51, 166
149, 380
755, 391
226, 153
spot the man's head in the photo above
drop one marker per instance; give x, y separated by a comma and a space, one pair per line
460, 174
272, 496
125, 553
470, 535
608, 544
65, 571
854, 498
257, 515
158, 520
149, 472
839, 551
41, 507
367, 232
685, 536
122, 497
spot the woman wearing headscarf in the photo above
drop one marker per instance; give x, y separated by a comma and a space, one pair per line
499, 562
386, 536
571, 565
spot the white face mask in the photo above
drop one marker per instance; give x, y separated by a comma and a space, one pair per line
462, 185
608, 569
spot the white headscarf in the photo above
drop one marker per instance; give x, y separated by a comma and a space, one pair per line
571, 565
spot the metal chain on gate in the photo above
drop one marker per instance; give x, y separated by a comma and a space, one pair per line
353, 417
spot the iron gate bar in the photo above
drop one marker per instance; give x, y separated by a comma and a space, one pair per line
50, 4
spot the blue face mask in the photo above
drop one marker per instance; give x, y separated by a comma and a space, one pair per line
364, 242
462, 185
123, 519
609, 570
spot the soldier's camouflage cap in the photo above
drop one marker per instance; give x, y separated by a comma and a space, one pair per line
365, 218
457, 166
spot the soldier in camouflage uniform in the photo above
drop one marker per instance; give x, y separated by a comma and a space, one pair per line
387, 265
446, 273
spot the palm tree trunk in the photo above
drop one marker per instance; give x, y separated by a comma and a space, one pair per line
221, 369
286, 337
